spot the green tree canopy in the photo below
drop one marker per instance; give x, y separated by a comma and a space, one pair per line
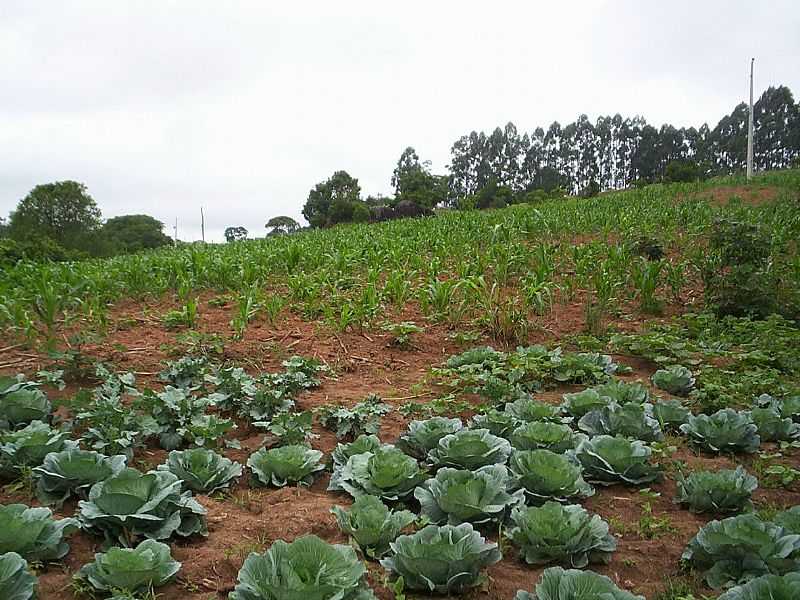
131, 233
282, 224
340, 189
413, 181
234, 234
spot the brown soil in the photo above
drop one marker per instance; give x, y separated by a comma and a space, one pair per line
722, 196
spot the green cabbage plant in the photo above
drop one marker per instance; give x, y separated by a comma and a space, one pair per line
528, 409
536, 435
623, 392
16, 581
28, 447
573, 584
676, 380
629, 420
22, 404
363, 443
33, 533
721, 491
470, 449
578, 404
202, 470
545, 475
132, 505
725, 431
306, 569
670, 414
131, 570
423, 436
498, 422
72, 472
766, 587
789, 519
285, 464
458, 496
772, 427
371, 524
738, 549
387, 473
566, 535
608, 460
446, 559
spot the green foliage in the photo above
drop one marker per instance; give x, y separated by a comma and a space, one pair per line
282, 224
446, 559
372, 525
567, 535
725, 431
534, 435
470, 449
578, 404
499, 423
738, 549
308, 567
21, 403
528, 409
609, 460
722, 491
201, 470
401, 333
675, 379
772, 427
670, 414
458, 496
766, 587
386, 473
132, 233
545, 475
285, 464
629, 420
574, 584
363, 443
16, 581
235, 234
27, 447
131, 505
348, 423
33, 533
131, 570
423, 436
290, 429
332, 201
72, 472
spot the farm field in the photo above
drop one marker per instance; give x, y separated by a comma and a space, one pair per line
531, 334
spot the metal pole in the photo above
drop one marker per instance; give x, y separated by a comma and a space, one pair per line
202, 225
176, 231
750, 127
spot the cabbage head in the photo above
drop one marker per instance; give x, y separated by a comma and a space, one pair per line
566, 535
578, 404
609, 460
306, 569
676, 380
132, 505
725, 431
202, 470
470, 449
766, 587
131, 570
423, 436
371, 524
285, 464
446, 559
545, 475
387, 473
528, 409
772, 427
670, 414
623, 392
536, 435
72, 472
23, 405
723, 491
789, 519
458, 496
33, 533
498, 422
27, 447
16, 581
629, 420
363, 443
573, 584
738, 549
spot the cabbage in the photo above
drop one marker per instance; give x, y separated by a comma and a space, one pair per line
363, 443
499, 423
579, 403
630, 420
724, 431
676, 380
457, 496
423, 436
202, 471
16, 581
285, 464
545, 475
554, 533
386, 473
767, 587
371, 525
72, 472
772, 427
33, 533
670, 414
28, 447
446, 559
131, 570
470, 449
573, 584
23, 405
717, 491
608, 460
623, 392
528, 409
537, 435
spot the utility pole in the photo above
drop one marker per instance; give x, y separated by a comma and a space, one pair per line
750, 127
202, 225
176, 232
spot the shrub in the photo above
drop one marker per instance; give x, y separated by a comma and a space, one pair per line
371, 524
720, 491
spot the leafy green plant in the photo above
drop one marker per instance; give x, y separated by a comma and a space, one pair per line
16, 581
670, 414
363, 443
131, 570
499, 423
33, 533
386, 473
528, 409
676, 379
578, 404
285, 464
131, 505
772, 427
629, 420
609, 460
738, 549
574, 584
535, 435
423, 436
363, 417
72, 472
201, 470
720, 491
446, 559
623, 392
555, 533
766, 587
545, 475
21, 402
470, 449
27, 447
401, 333
290, 429
725, 431
457, 496
371, 524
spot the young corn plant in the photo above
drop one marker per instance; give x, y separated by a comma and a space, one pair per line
646, 277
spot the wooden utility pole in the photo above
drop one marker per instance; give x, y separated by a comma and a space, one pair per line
750, 127
202, 225
175, 241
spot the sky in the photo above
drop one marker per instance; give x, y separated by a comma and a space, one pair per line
241, 107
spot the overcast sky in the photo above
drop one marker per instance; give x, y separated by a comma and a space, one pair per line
160, 107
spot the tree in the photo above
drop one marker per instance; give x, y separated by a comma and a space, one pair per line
282, 224
62, 211
132, 233
413, 181
235, 234
3, 228
340, 189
